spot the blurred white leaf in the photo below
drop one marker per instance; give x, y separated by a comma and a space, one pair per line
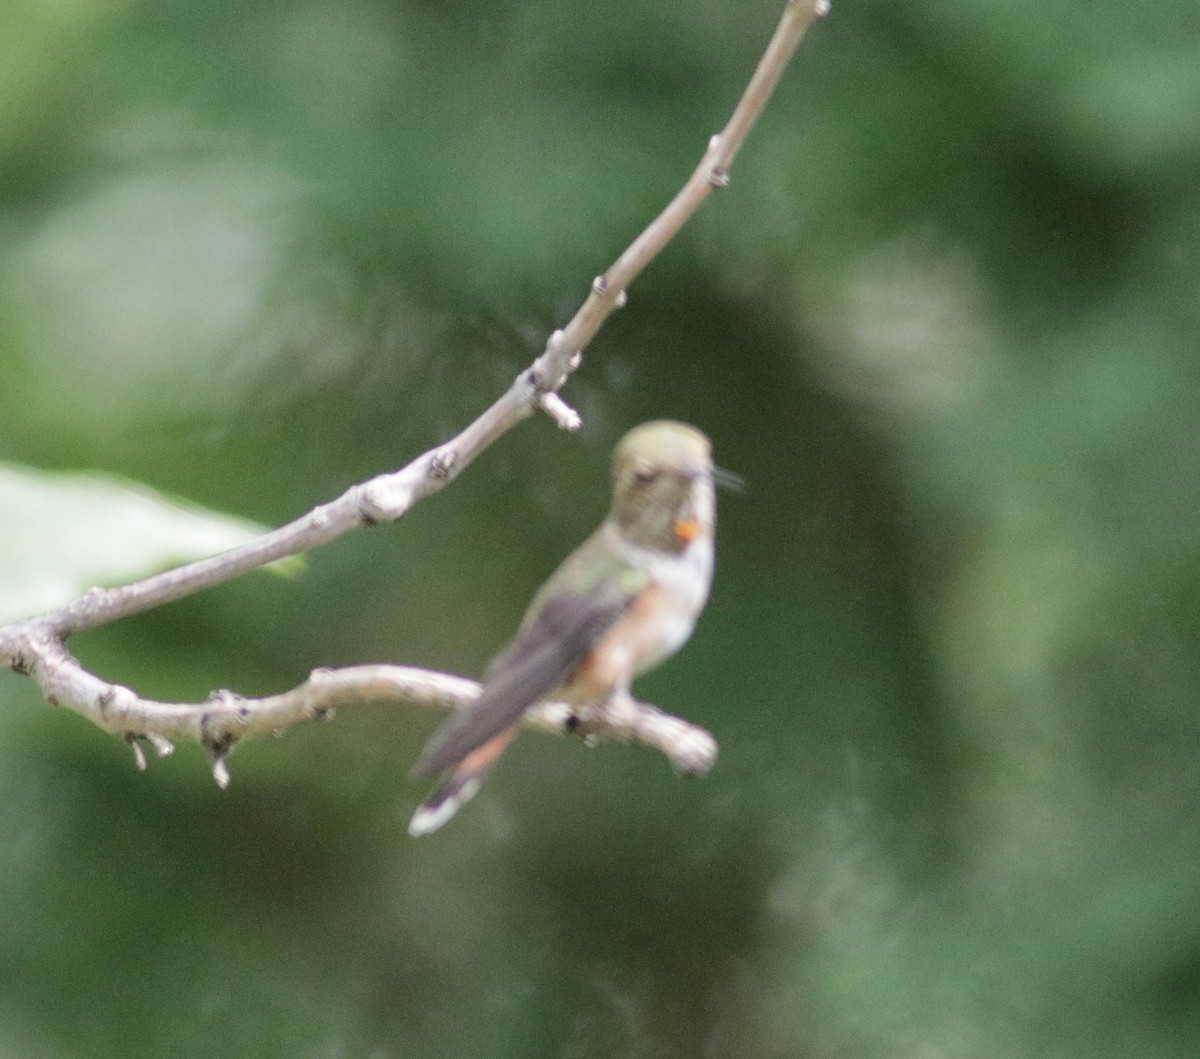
60, 534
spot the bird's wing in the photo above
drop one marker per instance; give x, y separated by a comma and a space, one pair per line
549, 648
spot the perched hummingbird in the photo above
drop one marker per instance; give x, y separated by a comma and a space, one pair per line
623, 601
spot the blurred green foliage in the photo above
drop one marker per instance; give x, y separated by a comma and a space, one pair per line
944, 321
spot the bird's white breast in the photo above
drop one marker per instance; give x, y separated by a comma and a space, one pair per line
681, 580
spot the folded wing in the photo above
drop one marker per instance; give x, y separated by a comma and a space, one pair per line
544, 656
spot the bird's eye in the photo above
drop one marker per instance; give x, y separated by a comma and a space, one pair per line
645, 475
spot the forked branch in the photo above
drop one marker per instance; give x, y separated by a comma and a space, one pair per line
36, 646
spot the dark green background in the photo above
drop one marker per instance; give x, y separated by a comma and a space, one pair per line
944, 322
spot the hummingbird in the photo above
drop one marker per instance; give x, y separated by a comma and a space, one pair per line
626, 599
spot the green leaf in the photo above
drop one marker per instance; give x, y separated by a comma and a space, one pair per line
62, 533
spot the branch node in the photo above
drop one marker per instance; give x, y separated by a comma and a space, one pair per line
369, 511
536, 377
442, 465
220, 771
218, 749
21, 664
600, 287
163, 747
719, 177
133, 741
227, 698
562, 413
217, 746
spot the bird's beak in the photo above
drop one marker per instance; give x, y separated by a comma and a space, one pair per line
724, 479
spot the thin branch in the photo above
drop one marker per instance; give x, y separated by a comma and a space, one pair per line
225, 718
609, 290
36, 645
389, 496
385, 498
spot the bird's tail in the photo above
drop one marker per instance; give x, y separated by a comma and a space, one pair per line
459, 785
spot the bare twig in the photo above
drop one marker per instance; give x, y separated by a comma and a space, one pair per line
225, 718
36, 645
609, 290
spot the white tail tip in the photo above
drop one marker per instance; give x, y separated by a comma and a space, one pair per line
440, 806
